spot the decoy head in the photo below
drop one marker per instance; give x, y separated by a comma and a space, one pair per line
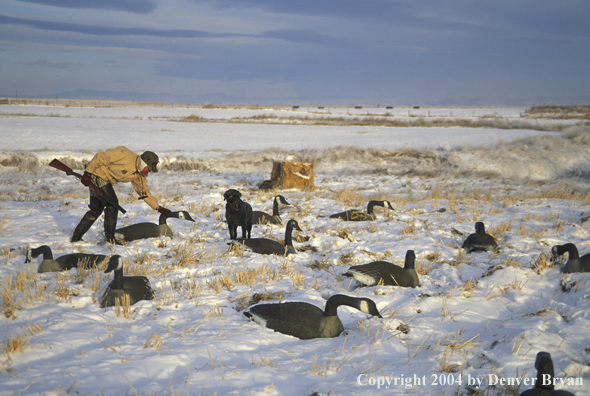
183, 215
294, 225
410, 259
368, 306
29, 256
115, 264
282, 200
43, 250
555, 252
387, 204
480, 228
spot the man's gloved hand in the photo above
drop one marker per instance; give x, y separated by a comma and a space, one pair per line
85, 179
164, 211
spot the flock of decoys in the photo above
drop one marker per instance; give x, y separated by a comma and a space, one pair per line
298, 319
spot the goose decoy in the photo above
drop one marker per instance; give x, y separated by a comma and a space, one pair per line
545, 373
259, 217
270, 246
150, 230
386, 273
306, 321
137, 287
480, 241
357, 215
65, 262
575, 263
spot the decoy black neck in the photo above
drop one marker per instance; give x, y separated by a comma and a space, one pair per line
45, 251
275, 207
572, 251
337, 300
163, 219
372, 204
118, 280
544, 367
480, 228
410, 260
288, 234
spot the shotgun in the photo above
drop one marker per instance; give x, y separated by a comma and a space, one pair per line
57, 164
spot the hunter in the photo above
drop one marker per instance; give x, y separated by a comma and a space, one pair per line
106, 169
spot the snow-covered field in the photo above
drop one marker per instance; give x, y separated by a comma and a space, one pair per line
478, 317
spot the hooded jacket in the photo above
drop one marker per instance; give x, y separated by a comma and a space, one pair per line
122, 165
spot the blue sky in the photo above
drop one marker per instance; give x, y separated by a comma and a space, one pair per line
299, 52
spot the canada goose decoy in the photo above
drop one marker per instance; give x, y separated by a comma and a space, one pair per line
65, 262
306, 321
545, 373
270, 246
480, 241
357, 215
150, 230
386, 273
259, 217
575, 263
137, 287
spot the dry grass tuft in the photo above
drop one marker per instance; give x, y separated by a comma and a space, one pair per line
542, 263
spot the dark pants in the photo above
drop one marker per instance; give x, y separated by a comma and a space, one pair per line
97, 206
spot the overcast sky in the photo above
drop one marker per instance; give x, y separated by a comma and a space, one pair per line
304, 51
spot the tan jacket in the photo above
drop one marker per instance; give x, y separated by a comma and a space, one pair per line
122, 165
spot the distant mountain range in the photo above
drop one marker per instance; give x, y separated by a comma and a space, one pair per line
226, 99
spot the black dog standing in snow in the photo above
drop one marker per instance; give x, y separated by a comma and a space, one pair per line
238, 214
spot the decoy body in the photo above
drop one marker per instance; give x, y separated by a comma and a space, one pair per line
270, 246
136, 287
65, 262
480, 241
150, 230
357, 215
575, 263
386, 273
306, 321
545, 373
259, 217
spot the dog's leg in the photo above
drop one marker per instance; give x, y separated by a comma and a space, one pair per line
232, 230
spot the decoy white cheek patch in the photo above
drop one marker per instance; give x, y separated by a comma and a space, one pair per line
181, 216
364, 307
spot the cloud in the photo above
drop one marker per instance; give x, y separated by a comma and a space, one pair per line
300, 36
135, 6
109, 30
48, 63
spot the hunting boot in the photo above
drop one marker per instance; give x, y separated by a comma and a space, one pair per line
110, 223
84, 225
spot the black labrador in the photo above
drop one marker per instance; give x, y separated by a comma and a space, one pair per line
238, 214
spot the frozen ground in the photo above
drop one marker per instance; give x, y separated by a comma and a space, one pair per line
474, 317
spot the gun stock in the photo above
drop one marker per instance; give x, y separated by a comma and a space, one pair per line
57, 164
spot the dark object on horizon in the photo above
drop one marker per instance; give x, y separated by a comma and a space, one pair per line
238, 214
259, 217
545, 373
65, 262
388, 274
357, 215
480, 241
136, 287
575, 263
306, 321
150, 230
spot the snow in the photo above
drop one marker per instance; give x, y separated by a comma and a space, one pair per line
475, 317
